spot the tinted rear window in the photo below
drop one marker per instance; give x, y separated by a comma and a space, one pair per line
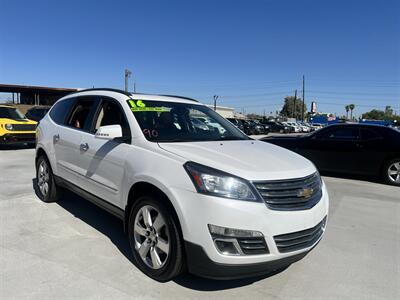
60, 110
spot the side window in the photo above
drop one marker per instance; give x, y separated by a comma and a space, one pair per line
369, 134
82, 114
343, 133
111, 113
60, 110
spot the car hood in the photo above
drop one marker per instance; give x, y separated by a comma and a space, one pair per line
249, 159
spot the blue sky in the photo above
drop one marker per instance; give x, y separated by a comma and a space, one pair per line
250, 53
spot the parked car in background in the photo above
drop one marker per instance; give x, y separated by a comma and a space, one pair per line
258, 128
220, 205
350, 148
248, 128
292, 128
236, 123
317, 126
303, 126
276, 126
15, 128
265, 126
37, 113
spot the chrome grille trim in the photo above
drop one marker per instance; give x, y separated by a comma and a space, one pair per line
23, 127
298, 240
288, 194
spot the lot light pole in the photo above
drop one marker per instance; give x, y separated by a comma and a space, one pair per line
302, 107
127, 75
215, 102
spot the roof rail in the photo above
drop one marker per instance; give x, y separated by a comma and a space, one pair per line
130, 94
103, 89
181, 97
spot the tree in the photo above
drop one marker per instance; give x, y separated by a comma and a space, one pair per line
377, 114
347, 108
351, 106
292, 108
388, 110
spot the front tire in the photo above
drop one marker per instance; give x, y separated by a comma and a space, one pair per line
391, 172
46, 187
154, 239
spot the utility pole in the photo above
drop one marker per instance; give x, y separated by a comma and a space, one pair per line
302, 107
294, 104
127, 75
215, 102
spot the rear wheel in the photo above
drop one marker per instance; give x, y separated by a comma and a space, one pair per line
392, 172
47, 189
154, 239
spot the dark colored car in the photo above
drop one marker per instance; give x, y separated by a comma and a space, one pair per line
37, 113
258, 128
350, 148
248, 127
237, 123
276, 126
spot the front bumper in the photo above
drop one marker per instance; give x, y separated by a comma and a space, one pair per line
200, 264
196, 211
18, 138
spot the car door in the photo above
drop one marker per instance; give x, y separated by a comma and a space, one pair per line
102, 162
333, 149
374, 148
67, 138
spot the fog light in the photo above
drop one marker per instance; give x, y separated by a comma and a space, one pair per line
230, 232
227, 247
228, 241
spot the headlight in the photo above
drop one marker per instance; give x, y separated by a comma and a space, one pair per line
9, 127
217, 183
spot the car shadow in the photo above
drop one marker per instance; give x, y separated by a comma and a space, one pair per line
207, 285
112, 227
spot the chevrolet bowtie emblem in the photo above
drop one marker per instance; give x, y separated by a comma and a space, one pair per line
306, 193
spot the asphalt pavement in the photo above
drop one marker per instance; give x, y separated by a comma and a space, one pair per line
72, 249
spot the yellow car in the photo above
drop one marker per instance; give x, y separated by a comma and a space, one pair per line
15, 128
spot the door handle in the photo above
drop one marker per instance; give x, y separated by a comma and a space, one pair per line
56, 138
84, 147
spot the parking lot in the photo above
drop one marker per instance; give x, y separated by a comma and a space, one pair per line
73, 249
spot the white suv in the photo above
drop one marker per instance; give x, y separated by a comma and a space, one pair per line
197, 198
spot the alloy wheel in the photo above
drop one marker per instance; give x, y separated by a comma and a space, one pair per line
151, 237
394, 172
43, 178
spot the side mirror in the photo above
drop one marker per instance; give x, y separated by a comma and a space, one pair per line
109, 132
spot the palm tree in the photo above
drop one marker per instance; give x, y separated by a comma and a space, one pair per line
347, 111
351, 106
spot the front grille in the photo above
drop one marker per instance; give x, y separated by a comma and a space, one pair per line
18, 137
24, 127
301, 239
293, 194
251, 246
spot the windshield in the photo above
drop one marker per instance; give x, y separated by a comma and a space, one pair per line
11, 113
162, 121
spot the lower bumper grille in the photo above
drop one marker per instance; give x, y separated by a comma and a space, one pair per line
18, 138
301, 239
251, 246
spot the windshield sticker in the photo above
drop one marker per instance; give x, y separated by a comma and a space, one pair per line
150, 133
140, 106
